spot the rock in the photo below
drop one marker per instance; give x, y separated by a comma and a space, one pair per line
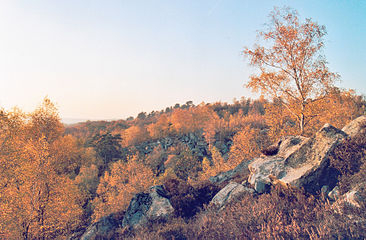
229, 175
261, 186
103, 229
353, 198
145, 207
300, 162
221, 177
325, 190
229, 193
334, 194
290, 144
355, 126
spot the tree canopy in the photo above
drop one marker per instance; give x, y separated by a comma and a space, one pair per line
291, 65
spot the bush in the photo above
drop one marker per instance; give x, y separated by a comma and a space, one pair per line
186, 199
281, 214
348, 158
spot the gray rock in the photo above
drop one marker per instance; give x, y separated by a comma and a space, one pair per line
334, 194
300, 162
145, 207
229, 193
102, 229
261, 186
355, 126
228, 175
354, 198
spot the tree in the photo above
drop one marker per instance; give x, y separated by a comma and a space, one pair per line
160, 128
213, 167
107, 146
291, 66
36, 200
134, 135
45, 121
247, 144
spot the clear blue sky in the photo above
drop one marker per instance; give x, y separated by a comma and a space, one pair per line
113, 59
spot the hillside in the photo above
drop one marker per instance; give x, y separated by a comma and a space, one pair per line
57, 181
312, 188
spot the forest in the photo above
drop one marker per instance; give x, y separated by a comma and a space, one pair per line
56, 179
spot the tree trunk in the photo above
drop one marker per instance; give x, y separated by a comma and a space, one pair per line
302, 124
302, 119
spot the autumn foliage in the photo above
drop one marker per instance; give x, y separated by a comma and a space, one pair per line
292, 69
56, 180
38, 199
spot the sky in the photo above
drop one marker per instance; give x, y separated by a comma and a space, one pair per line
113, 59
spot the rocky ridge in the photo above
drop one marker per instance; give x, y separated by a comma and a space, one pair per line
299, 162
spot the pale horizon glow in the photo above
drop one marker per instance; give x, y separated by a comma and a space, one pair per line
114, 59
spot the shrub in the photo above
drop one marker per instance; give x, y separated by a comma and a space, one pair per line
348, 158
186, 199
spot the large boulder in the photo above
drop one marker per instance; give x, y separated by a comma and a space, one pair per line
301, 162
229, 193
145, 207
355, 126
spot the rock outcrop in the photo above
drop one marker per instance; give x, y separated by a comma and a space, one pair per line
300, 162
354, 198
227, 176
230, 192
145, 207
355, 126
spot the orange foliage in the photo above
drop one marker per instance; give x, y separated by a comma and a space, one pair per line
134, 135
214, 166
160, 128
192, 119
246, 145
338, 108
36, 201
292, 69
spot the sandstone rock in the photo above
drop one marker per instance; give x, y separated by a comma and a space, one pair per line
145, 207
300, 162
229, 193
355, 126
229, 175
353, 198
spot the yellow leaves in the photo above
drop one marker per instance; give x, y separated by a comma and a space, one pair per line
134, 135
38, 201
44, 121
159, 129
337, 108
192, 119
213, 167
87, 180
246, 145
291, 67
